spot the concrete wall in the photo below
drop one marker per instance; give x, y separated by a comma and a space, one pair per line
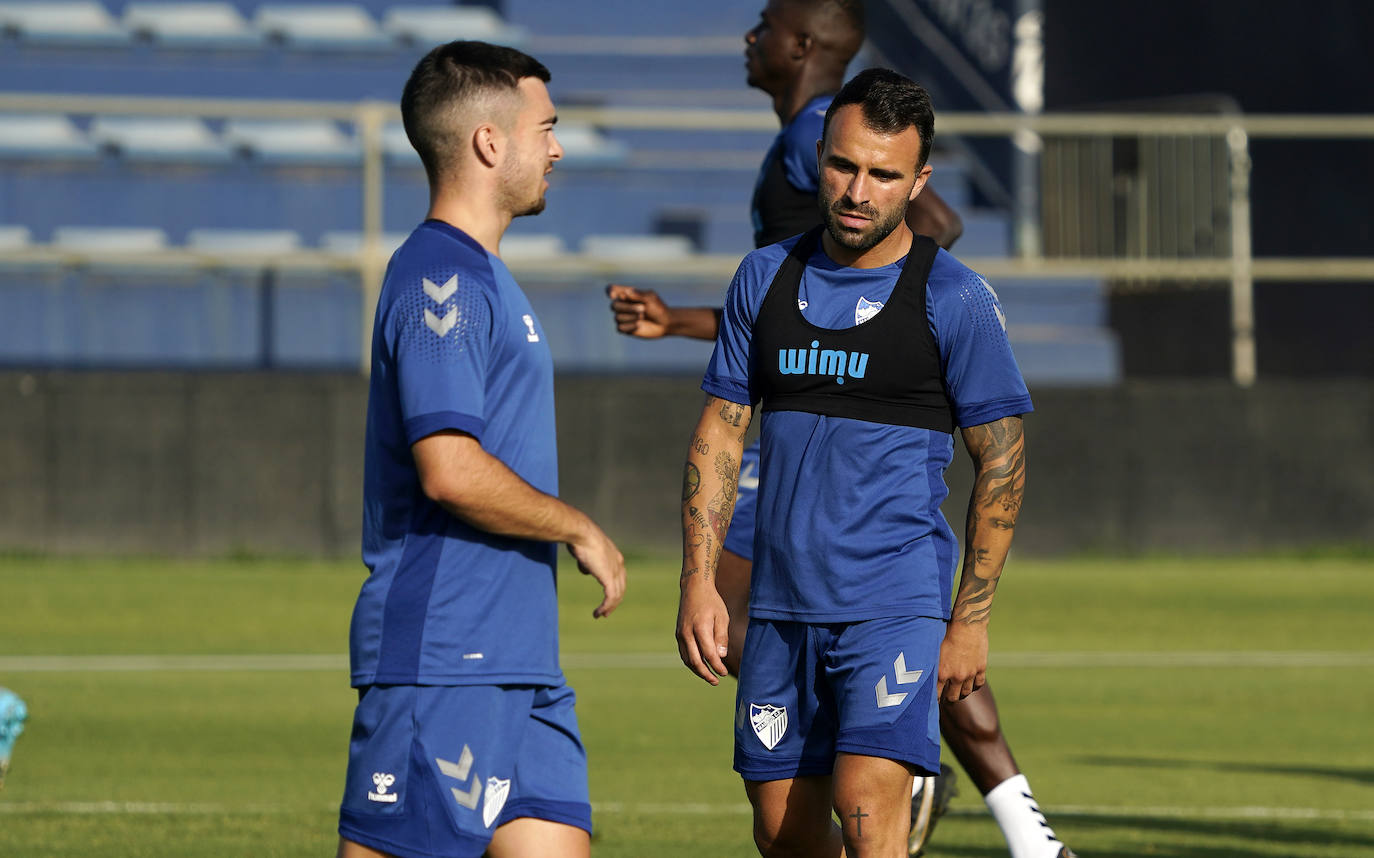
212, 464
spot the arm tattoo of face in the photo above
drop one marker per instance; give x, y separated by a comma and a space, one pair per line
722, 506
998, 452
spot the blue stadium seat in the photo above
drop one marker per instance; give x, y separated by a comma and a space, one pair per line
43, 135
637, 246
434, 25
14, 237
585, 146
61, 21
323, 25
191, 24
159, 138
249, 241
106, 241
349, 242
302, 141
518, 248
396, 146
1054, 356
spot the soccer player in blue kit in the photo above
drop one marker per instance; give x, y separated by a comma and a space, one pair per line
797, 54
465, 740
865, 345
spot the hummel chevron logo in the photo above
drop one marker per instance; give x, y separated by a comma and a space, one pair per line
904, 677
459, 771
444, 325
440, 294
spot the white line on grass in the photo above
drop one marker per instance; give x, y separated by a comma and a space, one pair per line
133, 808
655, 660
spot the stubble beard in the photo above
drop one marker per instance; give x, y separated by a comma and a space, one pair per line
879, 228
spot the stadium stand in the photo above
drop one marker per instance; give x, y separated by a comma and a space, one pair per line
274, 186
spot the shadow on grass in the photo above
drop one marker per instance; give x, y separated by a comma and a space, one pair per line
1341, 773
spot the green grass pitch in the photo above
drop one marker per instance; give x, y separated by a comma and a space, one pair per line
1160, 707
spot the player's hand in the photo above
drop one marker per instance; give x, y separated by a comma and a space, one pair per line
963, 661
703, 631
638, 312
597, 556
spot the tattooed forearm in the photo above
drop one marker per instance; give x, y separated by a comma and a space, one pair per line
700, 445
998, 452
710, 479
731, 413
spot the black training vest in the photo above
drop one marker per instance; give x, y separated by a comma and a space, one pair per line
886, 370
780, 210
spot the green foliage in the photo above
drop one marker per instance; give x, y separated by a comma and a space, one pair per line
1116, 695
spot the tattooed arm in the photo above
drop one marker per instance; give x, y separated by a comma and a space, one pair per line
999, 479
709, 481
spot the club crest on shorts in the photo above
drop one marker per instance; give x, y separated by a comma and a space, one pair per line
498, 790
865, 310
769, 723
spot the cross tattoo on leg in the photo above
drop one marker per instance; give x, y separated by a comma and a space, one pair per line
858, 817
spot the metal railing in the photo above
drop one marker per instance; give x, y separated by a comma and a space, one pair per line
1233, 264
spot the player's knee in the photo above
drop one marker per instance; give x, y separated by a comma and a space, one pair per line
785, 840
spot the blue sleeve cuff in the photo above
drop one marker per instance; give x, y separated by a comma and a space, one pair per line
733, 392
427, 424
986, 412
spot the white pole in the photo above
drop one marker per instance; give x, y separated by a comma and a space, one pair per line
1243, 360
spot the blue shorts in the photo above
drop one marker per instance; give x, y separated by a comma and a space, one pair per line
808, 691
434, 770
739, 539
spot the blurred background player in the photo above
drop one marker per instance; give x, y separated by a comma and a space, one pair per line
864, 345
797, 54
465, 741
13, 713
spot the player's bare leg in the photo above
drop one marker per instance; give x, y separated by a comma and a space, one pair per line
872, 798
792, 818
535, 838
973, 731
732, 582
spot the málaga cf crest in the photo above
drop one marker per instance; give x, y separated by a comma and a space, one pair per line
769, 723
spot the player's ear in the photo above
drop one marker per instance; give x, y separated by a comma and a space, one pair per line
487, 144
802, 45
922, 176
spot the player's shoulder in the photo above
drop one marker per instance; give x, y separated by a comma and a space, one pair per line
438, 258
949, 277
805, 128
764, 262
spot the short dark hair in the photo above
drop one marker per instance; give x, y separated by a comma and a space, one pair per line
447, 80
891, 104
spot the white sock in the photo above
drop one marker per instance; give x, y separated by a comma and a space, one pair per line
1028, 834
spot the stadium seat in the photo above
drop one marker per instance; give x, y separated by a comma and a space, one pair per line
325, 25
209, 24
159, 138
258, 242
293, 141
100, 241
637, 246
434, 25
14, 237
517, 248
61, 21
43, 135
585, 146
396, 146
349, 243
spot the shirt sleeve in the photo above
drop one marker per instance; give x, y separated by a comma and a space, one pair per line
441, 338
799, 162
981, 374
728, 375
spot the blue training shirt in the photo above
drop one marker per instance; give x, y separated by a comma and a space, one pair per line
848, 525
789, 201
455, 347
